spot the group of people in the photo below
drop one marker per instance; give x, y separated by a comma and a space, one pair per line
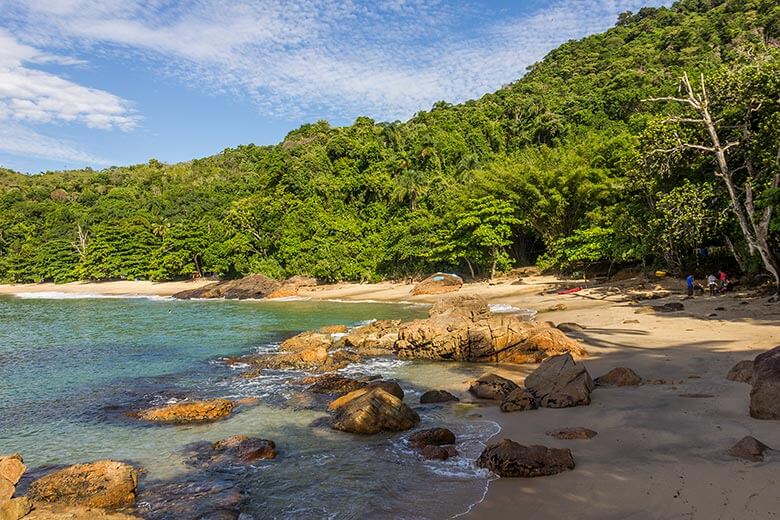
717, 284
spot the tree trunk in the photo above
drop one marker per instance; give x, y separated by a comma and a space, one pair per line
471, 268
495, 260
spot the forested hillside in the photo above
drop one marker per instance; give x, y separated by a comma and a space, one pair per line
573, 166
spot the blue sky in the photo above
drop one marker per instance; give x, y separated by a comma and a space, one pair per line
114, 82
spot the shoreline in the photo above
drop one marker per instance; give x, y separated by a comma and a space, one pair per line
656, 449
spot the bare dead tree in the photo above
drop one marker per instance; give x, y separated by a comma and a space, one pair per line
82, 238
754, 227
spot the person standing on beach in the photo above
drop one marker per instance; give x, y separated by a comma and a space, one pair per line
690, 281
712, 282
722, 277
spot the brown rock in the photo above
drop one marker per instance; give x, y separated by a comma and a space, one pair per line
6, 490
57, 512
291, 286
432, 452
518, 400
104, 484
371, 412
742, 372
765, 393
507, 458
669, 307
572, 433
492, 386
437, 396
438, 283
560, 382
467, 307
334, 329
254, 286
375, 339
12, 468
189, 412
390, 387
333, 384
749, 448
15, 508
431, 436
245, 449
619, 376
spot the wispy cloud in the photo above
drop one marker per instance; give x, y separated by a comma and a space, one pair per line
315, 57
20, 140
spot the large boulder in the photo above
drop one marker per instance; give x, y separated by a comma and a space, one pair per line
374, 339
518, 400
742, 372
189, 412
438, 283
765, 393
105, 484
437, 396
559, 382
492, 386
254, 286
507, 458
619, 376
370, 411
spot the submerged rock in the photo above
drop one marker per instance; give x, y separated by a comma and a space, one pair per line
438, 283
518, 400
507, 458
572, 433
332, 384
189, 412
619, 376
742, 372
437, 396
560, 382
433, 452
432, 437
192, 497
244, 449
372, 410
492, 386
749, 448
254, 286
57, 512
765, 392
105, 484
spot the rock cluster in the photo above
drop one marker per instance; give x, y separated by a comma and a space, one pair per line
254, 286
507, 458
373, 409
518, 400
492, 386
560, 382
105, 484
434, 443
11, 470
189, 412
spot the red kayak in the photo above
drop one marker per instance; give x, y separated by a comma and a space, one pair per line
570, 291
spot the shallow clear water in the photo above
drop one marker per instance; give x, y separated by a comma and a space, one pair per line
71, 369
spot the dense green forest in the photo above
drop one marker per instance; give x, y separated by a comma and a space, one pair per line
575, 166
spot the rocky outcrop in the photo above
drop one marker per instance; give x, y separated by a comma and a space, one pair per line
333, 329
464, 329
560, 382
103, 484
750, 449
254, 286
372, 410
11, 470
572, 433
492, 386
437, 396
619, 376
189, 412
742, 372
332, 384
438, 283
290, 287
518, 400
765, 392
507, 458
375, 339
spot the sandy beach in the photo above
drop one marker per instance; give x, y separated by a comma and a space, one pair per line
660, 448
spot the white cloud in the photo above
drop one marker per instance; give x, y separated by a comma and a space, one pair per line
313, 57
16, 139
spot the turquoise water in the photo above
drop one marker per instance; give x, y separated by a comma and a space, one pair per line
70, 370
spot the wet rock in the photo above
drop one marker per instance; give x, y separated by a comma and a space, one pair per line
507, 458
464, 329
560, 382
57, 512
749, 448
431, 437
14, 508
572, 433
332, 384
438, 283
192, 497
518, 400
244, 449
432, 452
372, 410
254, 286
619, 376
437, 396
105, 484
742, 372
189, 412
492, 386
388, 386
375, 339
765, 392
